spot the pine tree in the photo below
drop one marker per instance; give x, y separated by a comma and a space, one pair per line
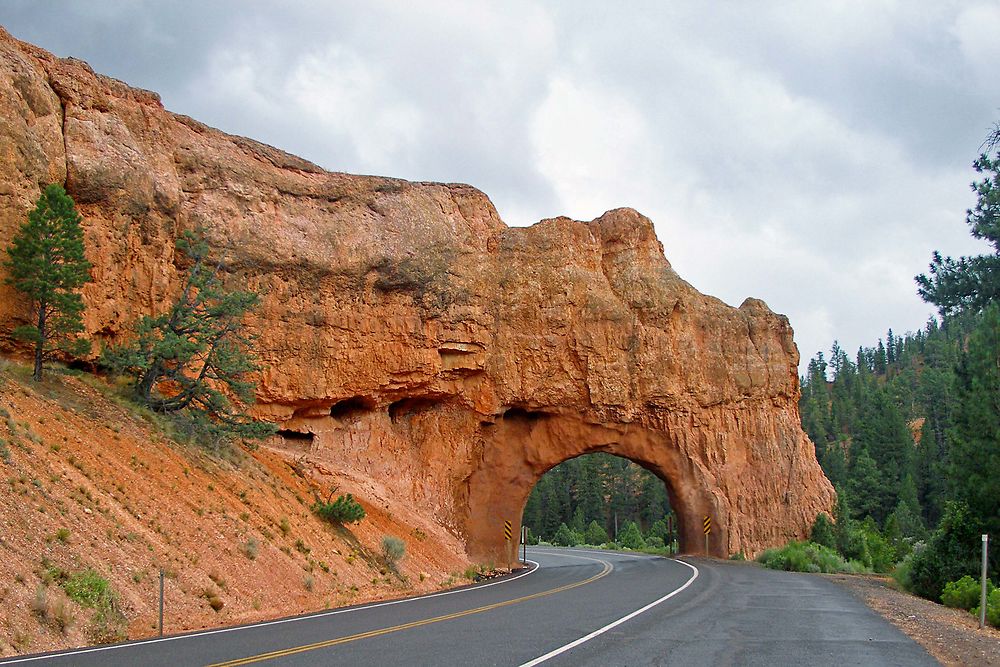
881, 360
975, 438
631, 537
595, 535
188, 358
47, 265
970, 283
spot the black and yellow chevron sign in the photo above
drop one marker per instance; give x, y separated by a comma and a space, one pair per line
707, 524
506, 530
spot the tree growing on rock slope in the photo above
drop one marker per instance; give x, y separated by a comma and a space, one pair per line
196, 356
47, 265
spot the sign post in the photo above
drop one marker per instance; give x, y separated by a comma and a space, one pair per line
161, 602
524, 544
982, 592
707, 527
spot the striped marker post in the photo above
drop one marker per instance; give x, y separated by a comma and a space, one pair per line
707, 527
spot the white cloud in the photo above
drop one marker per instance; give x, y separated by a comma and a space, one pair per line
977, 29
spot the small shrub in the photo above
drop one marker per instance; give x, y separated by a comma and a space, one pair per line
964, 593
595, 534
301, 547
214, 601
393, 548
63, 535
631, 537
88, 588
308, 582
250, 548
806, 557
285, 526
822, 532
739, 555
345, 509
40, 605
218, 580
881, 555
565, 537
992, 608
61, 614
950, 553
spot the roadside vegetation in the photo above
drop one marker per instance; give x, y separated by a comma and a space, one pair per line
908, 431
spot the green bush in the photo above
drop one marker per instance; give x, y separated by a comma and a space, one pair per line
630, 537
595, 534
806, 557
345, 509
565, 537
393, 548
964, 593
881, 554
904, 568
87, 588
992, 608
951, 552
822, 532
654, 542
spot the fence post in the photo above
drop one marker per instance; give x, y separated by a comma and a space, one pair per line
161, 601
982, 593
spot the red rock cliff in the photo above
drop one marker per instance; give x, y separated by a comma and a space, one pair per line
429, 352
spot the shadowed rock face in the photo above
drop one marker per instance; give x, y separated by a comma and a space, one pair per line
412, 340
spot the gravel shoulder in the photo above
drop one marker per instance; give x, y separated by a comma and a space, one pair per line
950, 635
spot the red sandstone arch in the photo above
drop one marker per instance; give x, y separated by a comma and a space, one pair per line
521, 446
501, 488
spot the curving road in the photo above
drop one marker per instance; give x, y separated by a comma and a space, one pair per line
578, 607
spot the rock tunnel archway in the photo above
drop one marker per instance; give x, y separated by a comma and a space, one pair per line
499, 488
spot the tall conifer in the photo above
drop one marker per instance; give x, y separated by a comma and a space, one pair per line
48, 266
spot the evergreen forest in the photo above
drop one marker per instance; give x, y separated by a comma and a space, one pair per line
612, 492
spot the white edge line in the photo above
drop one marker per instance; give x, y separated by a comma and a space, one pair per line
280, 621
615, 624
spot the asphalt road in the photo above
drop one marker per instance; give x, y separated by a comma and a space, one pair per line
578, 607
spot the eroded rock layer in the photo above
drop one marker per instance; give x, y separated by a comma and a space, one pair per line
413, 340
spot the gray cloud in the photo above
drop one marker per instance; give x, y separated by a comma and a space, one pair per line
810, 155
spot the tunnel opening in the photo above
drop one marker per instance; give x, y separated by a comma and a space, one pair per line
604, 501
516, 454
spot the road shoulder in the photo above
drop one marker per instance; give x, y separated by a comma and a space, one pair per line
952, 636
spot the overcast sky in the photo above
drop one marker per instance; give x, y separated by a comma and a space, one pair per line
810, 157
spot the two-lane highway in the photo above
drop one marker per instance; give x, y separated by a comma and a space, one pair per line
577, 607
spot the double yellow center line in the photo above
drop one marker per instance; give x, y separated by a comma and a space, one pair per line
414, 624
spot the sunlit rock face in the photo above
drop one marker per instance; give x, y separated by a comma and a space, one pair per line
411, 339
